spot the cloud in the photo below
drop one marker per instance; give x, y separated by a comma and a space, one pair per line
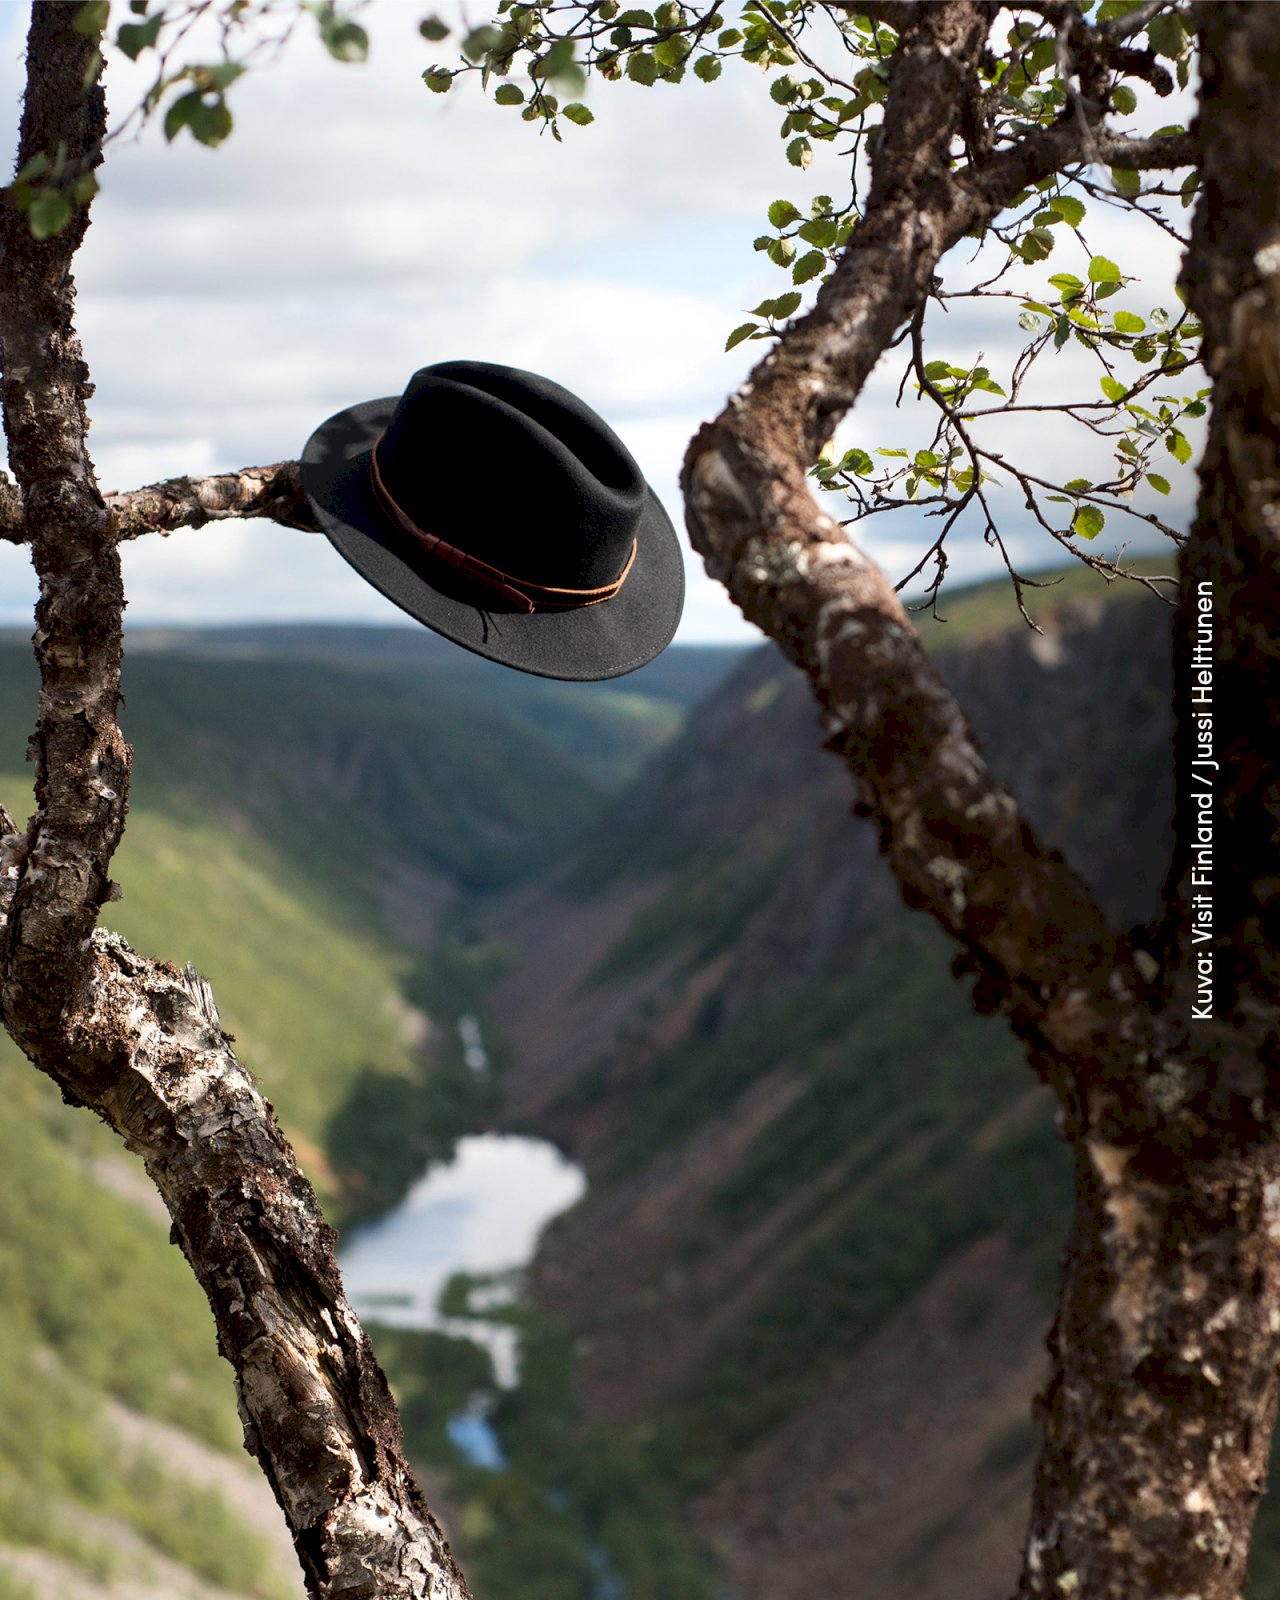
355, 227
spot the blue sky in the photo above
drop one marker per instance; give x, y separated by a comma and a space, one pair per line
356, 227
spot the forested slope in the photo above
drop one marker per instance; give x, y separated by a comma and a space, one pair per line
294, 795
813, 1271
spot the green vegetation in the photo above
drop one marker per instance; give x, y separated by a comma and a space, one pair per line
94, 1301
91, 1277
267, 798
873, 1165
984, 609
573, 1501
13, 1587
699, 915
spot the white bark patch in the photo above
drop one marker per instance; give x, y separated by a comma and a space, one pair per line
953, 878
713, 479
1109, 1160
1271, 1210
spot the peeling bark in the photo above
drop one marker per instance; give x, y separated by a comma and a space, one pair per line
954, 836
136, 1040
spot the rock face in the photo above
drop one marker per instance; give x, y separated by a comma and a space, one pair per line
815, 1264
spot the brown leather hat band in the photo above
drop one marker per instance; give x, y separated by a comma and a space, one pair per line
529, 597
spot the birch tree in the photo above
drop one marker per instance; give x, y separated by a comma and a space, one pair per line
962, 120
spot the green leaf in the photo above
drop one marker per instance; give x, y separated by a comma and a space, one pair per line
1124, 100
432, 28
1066, 283
782, 252
820, 231
1088, 522
642, 68
508, 94
785, 304
48, 213
1127, 322
857, 461
480, 41
1127, 182
636, 19
578, 114
1177, 445
1113, 389
1078, 486
207, 119
1166, 35
89, 21
808, 266
707, 68
782, 212
135, 37
1159, 484
84, 188
1103, 271
439, 81
783, 89
926, 459
672, 52
35, 168
800, 153
558, 63
743, 331
344, 39
1037, 244
218, 77
891, 453
1068, 208
729, 38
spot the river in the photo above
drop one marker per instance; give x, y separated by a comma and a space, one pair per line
480, 1214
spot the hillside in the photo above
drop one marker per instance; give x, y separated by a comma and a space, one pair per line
303, 814
812, 1272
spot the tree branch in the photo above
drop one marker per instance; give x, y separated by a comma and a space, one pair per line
273, 492
137, 1041
955, 837
1165, 153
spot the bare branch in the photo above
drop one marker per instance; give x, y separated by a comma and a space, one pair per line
273, 492
1157, 154
1124, 27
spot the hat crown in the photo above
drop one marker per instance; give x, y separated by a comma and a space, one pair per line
514, 470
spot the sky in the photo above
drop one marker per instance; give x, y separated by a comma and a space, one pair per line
356, 227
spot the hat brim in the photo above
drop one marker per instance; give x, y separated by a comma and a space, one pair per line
591, 642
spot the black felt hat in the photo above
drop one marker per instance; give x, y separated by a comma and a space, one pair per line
500, 510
